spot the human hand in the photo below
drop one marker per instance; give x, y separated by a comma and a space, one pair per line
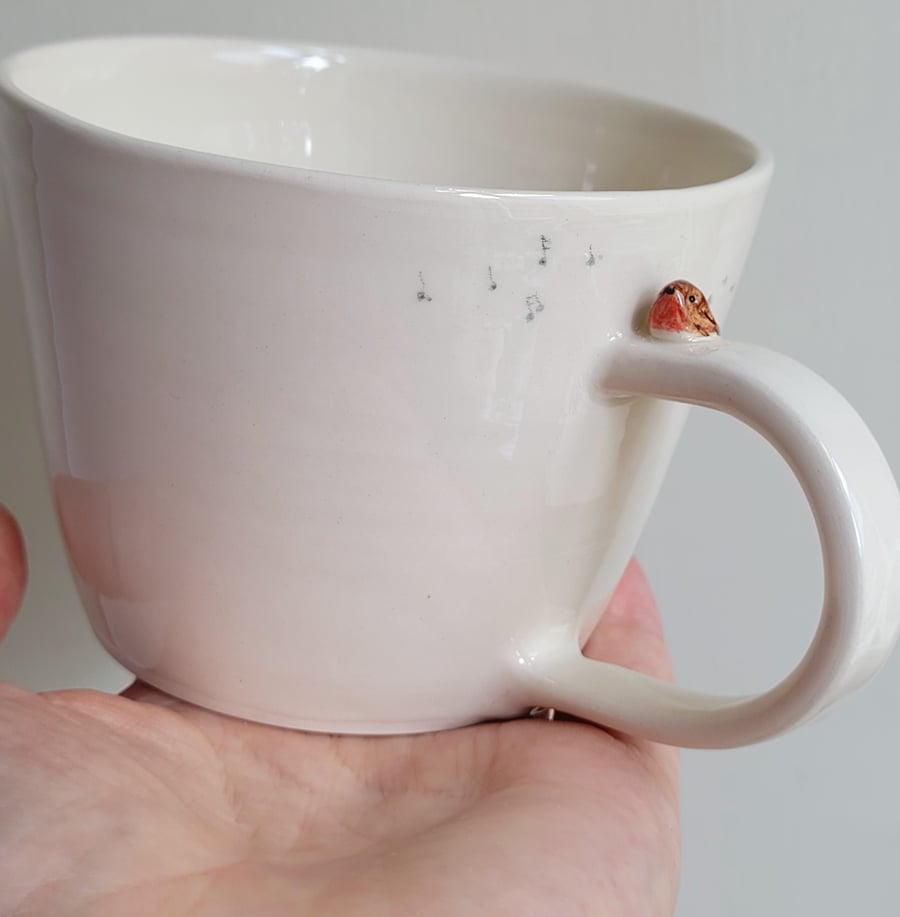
143, 805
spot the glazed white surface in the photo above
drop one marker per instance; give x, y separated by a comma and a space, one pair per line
326, 449
804, 825
408, 117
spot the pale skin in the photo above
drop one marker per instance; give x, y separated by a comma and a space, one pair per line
142, 805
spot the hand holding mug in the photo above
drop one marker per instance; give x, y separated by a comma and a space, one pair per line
143, 804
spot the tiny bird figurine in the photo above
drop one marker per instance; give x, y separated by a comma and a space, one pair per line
681, 311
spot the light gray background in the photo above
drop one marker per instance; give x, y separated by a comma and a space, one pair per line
805, 825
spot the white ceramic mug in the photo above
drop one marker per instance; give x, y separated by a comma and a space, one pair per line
348, 402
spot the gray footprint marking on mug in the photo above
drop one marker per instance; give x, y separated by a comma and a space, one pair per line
422, 295
545, 247
534, 304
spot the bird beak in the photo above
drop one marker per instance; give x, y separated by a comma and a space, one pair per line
676, 294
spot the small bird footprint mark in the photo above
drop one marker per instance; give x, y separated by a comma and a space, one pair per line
534, 305
422, 295
545, 247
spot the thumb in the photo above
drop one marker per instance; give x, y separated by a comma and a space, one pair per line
13, 569
630, 632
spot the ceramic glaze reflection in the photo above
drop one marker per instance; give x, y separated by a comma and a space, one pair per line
401, 117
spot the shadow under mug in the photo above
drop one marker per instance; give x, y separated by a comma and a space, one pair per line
346, 393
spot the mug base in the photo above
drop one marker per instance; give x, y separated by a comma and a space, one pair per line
304, 723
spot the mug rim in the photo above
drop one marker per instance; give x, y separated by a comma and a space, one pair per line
758, 172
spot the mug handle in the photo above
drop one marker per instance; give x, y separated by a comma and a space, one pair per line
856, 506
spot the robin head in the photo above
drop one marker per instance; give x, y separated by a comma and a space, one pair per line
682, 309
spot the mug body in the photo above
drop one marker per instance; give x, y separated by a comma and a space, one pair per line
317, 337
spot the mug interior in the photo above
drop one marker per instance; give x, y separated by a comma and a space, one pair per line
385, 115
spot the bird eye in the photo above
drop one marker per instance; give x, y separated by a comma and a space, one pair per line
692, 298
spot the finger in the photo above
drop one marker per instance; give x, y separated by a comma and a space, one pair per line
13, 571
630, 632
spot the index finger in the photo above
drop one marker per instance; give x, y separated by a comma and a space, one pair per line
13, 569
